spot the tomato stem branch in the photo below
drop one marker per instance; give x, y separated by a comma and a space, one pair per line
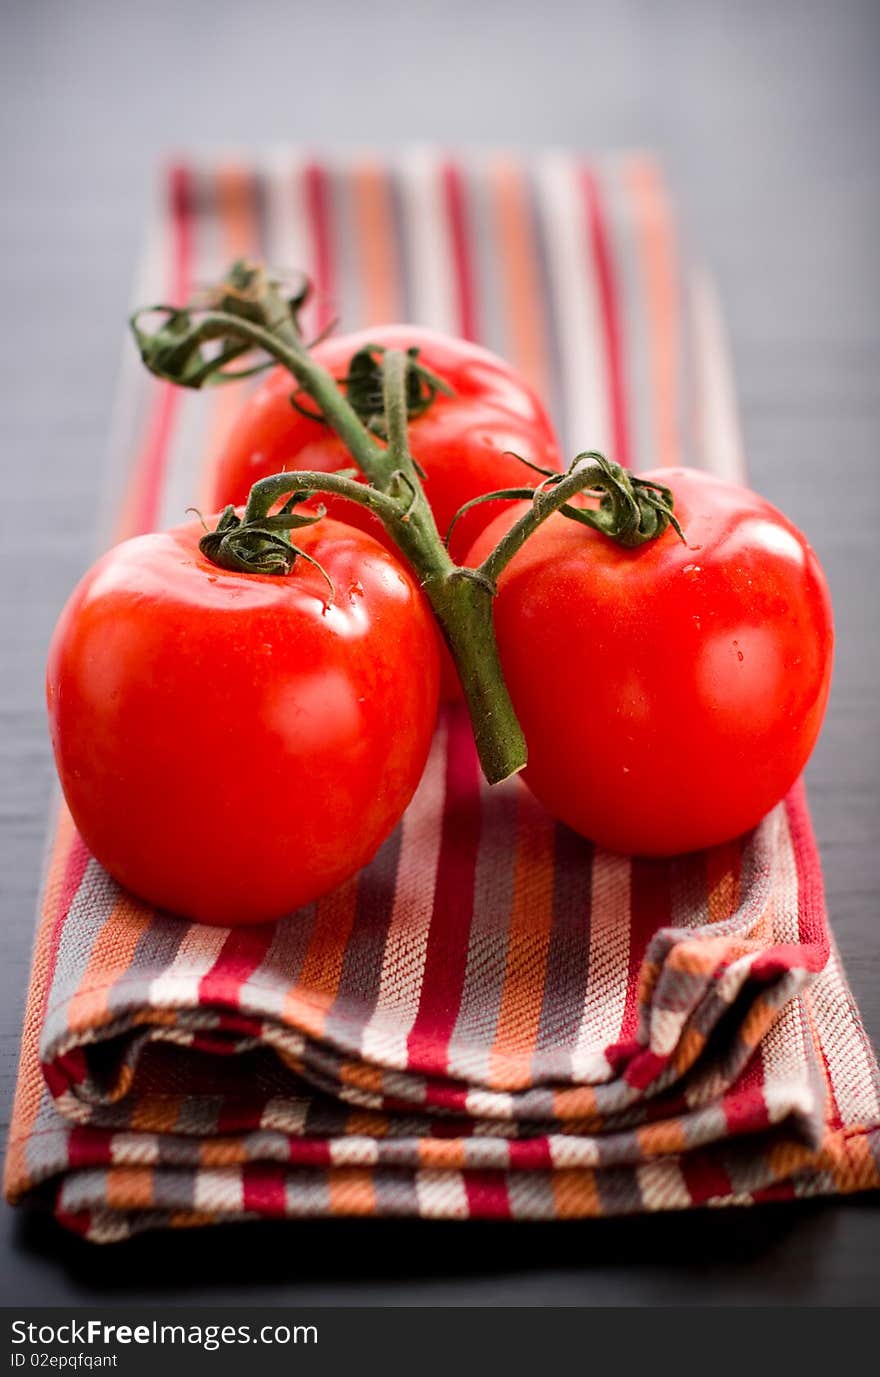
250, 312
196, 345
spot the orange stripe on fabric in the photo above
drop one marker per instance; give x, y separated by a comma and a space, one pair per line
690, 1046
576, 1103
518, 258
366, 1123
722, 880
351, 1191
222, 1152
30, 1085
139, 508
853, 1163
446, 1154
575, 1194
240, 237
189, 1219
531, 919
111, 956
309, 1001
129, 1188
157, 1114
784, 1159
656, 247
757, 1021
362, 1076
659, 1139
376, 245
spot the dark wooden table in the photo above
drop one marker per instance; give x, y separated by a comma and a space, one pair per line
768, 118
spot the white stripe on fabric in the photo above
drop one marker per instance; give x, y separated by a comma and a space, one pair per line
441, 1195
783, 1048
581, 336
430, 251
178, 986
195, 410
135, 387
663, 1186
719, 435
849, 1058
406, 945
219, 1190
605, 999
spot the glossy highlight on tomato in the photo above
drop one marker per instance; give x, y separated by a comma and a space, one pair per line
460, 442
670, 695
234, 745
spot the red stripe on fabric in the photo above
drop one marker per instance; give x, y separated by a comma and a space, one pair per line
73, 1066
454, 196
611, 316
744, 1105
650, 909
317, 192
704, 1177
452, 1128
241, 954
812, 913
150, 469
780, 1190
88, 1148
78, 1221
310, 1152
487, 1194
645, 1069
75, 869
247, 1024
263, 1189
446, 957
56, 1080
235, 1117
214, 1043
667, 1106
788, 956
530, 1154
440, 1096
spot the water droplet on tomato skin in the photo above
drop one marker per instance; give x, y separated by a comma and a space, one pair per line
356, 589
691, 569
695, 547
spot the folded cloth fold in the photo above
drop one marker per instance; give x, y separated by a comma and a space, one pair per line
494, 1018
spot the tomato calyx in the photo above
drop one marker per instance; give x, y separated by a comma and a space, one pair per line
364, 387
364, 390
259, 543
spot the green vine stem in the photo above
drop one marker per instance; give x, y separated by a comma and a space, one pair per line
249, 312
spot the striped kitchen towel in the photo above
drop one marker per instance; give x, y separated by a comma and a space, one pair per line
494, 1018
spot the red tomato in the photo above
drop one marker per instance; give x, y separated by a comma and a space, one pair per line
670, 695
233, 745
459, 441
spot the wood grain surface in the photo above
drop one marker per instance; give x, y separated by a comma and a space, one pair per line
767, 116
